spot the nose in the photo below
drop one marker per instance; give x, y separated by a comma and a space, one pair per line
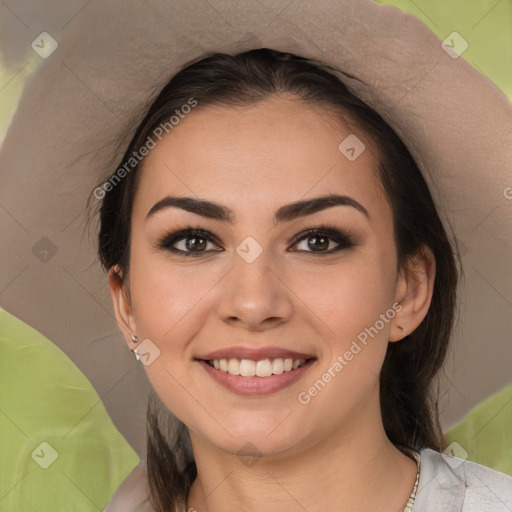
255, 294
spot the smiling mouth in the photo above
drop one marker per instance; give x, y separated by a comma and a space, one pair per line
261, 368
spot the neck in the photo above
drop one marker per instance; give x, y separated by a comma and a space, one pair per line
353, 469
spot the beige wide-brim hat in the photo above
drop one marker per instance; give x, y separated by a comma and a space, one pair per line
90, 93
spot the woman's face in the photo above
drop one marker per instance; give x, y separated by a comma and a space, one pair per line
245, 290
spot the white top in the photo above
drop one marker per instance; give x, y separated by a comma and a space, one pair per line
447, 484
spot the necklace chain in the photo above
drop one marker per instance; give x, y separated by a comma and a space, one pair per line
410, 502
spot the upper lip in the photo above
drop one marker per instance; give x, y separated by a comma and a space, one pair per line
255, 354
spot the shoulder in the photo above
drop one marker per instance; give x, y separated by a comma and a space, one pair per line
452, 484
133, 494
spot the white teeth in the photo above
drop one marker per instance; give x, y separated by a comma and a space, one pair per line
247, 368
234, 367
262, 368
278, 366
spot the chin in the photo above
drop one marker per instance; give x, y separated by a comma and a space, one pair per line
256, 442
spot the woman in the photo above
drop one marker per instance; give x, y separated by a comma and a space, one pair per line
277, 263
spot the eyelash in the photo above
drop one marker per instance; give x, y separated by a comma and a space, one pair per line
343, 239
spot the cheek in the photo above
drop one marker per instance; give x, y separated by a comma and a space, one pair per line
166, 295
167, 307
355, 313
351, 296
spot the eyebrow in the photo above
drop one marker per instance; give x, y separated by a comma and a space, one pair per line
286, 213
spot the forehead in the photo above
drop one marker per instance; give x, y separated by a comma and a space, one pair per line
275, 151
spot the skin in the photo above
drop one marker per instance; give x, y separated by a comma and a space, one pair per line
331, 454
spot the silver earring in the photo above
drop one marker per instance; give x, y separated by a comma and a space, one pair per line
135, 339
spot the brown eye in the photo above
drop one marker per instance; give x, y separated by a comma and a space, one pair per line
193, 242
319, 240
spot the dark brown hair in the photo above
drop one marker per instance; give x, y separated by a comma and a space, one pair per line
408, 392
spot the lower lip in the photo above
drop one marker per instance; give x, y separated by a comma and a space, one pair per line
256, 386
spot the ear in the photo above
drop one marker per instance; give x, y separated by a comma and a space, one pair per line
122, 305
414, 289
